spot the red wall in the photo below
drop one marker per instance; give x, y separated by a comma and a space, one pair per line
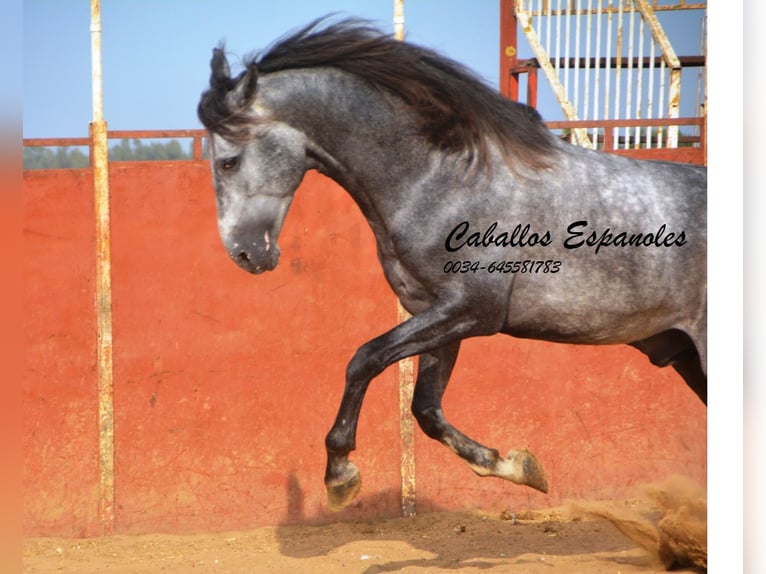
225, 383
60, 402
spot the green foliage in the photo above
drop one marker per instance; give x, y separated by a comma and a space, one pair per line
54, 158
136, 150
66, 157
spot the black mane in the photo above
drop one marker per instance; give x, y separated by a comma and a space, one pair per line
457, 110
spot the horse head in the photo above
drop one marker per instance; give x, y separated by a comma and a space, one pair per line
257, 164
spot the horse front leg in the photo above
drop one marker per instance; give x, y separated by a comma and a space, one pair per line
434, 370
437, 326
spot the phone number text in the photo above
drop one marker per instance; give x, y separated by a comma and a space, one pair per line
525, 266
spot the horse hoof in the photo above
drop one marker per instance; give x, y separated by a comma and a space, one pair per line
534, 475
342, 491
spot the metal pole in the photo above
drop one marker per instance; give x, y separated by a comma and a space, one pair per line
406, 370
508, 54
399, 19
100, 166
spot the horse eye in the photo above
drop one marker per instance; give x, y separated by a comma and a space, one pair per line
228, 163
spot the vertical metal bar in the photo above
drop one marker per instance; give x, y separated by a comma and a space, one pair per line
608, 139
100, 166
701, 71
399, 19
650, 92
532, 87
701, 101
618, 72
674, 105
406, 372
558, 41
639, 82
197, 148
576, 89
508, 50
540, 19
629, 81
567, 42
587, 73
597, 78
661, 105
407, 428
548, 21
608, 73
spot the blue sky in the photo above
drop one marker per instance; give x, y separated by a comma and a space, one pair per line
156, 52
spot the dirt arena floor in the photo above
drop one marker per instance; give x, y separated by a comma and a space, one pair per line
615, 537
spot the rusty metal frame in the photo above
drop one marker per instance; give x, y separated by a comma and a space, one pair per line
515, 14
655, 5
197, 137
608, 138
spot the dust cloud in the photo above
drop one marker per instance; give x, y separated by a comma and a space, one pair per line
673, 530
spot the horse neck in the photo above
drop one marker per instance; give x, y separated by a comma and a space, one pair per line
368, 137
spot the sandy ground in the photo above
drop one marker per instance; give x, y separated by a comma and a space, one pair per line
565, 540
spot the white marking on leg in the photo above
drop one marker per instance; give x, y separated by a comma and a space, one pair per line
509, 469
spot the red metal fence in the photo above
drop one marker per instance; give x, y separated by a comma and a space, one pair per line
197, 137
645, 129
225, 383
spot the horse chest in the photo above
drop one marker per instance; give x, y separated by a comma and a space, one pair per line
411, 292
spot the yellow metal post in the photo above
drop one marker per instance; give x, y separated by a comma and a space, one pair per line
407, 428
406, 369
399, 19
100, 167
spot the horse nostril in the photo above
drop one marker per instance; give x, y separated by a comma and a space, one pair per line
243, 257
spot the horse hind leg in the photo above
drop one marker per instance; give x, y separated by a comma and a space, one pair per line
434, 369
675, 347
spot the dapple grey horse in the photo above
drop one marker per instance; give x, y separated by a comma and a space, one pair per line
485, 222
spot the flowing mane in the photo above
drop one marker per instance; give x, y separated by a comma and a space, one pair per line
457, 110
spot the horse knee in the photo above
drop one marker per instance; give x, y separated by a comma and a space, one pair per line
364, 365
430, 420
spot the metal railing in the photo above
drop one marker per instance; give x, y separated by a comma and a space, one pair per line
197, 137
605, 135
607, 61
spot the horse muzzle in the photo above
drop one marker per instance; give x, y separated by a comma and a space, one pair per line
256, 257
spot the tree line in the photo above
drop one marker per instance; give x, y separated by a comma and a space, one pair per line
64, 157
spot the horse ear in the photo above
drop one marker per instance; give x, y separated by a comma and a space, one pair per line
240, 91
243, 93
220, 73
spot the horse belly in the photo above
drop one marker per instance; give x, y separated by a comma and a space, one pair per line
575, 330
589, 316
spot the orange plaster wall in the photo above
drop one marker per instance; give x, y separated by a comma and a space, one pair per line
225, 383
60, 401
